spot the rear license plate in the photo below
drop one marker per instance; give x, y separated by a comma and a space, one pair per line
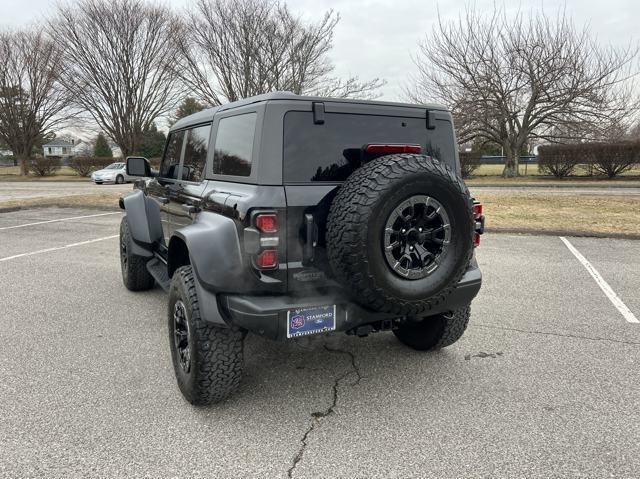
304, 321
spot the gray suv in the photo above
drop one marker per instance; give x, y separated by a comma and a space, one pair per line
288, 216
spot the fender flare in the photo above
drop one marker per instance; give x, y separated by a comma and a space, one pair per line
143, 216
214, 251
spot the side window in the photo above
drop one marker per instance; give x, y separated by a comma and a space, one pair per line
171, 159
234, 145
195, 153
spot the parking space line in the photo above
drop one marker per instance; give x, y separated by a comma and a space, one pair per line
604, 286
57, 248
55, 221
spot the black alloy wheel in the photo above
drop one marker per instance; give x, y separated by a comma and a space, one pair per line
416, 235
181, 335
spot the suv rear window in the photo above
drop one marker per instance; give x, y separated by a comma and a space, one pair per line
234, 145
326, 152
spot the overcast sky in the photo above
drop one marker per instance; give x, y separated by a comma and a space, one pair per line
378, 38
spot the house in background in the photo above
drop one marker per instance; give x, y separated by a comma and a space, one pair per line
62, 149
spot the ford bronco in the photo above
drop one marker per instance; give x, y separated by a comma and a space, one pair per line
287, 216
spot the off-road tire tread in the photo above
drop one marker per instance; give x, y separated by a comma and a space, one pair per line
138, 277
218, 361
352, 208
454, 327
451, 328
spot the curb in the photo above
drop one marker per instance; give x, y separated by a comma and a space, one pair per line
573, 233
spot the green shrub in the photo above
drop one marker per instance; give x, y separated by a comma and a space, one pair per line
85, 165
469, 163
41, 166
610, 159
613, 159
560, 160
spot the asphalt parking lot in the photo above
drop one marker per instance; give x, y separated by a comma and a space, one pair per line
545, 383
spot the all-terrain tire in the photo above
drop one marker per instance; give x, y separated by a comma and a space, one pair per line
356, 225
134, 268
434, 332
215, 352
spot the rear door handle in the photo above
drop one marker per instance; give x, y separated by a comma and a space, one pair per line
162, 200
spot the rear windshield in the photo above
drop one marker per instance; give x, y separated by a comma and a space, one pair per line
330, 151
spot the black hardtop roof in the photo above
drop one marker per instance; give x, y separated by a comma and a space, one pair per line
207, 115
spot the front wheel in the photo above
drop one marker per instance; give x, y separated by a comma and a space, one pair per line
134, 267
434, 332
207, 359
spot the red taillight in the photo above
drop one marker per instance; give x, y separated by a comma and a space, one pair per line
267, 223
479, 220
268, 259
477, 210
386, 149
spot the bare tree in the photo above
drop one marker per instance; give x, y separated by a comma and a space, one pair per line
248, 47
510, 80
32, 100
119, 55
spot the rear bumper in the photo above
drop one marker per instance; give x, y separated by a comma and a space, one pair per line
267, 315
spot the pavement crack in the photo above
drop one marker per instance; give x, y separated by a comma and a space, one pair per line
561, 335
318, 416
483, 355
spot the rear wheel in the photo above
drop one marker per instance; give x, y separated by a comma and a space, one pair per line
134, 267
207, 359
434, 332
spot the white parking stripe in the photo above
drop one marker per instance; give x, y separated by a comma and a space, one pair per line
604, 286
57, 248
55, 221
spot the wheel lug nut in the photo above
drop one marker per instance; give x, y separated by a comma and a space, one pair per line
410, 248
403, 231
420, 230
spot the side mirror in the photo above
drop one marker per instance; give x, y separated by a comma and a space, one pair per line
138, 166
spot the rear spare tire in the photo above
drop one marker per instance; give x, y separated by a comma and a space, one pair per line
400, 233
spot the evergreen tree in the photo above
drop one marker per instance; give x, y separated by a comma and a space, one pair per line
189, 106
101, 148
152, 143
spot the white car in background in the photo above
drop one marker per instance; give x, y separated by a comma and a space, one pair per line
114, 173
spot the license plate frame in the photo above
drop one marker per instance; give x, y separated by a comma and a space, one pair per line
312, 320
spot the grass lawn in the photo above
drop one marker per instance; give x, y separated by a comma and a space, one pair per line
485, 174
566, 213
105, 199
12, 173
492, 174
557, 214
